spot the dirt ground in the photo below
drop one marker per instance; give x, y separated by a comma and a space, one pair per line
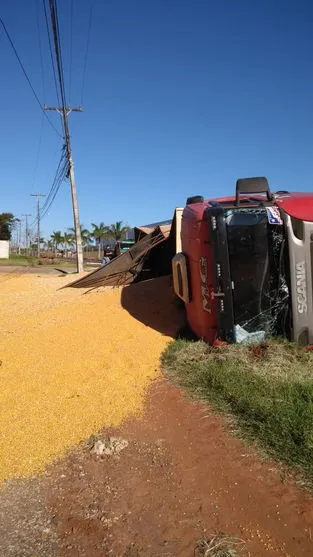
182, 477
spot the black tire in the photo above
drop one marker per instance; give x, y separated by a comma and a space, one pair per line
194, 199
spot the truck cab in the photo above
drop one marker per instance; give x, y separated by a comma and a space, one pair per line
244, 269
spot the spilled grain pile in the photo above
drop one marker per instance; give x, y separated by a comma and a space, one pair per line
70, 364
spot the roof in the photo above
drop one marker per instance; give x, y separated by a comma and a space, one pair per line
145, 229
160, 223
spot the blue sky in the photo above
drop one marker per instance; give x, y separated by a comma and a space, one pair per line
181, 97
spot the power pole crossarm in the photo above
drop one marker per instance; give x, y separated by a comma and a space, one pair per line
66, 109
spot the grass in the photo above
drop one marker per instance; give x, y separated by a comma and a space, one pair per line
22, 260
267, 387
30, 261
218, 545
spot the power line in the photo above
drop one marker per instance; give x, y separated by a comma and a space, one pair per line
64, 111
39, 147
87, 50
59, 177
71, 51
54, 3
58, 55
40, 51
26, 76
51, 52
51, 191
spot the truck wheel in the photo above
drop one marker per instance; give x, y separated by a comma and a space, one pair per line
194, 199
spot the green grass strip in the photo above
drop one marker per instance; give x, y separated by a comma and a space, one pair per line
268, 388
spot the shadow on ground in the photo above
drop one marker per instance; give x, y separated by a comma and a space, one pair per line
153, 303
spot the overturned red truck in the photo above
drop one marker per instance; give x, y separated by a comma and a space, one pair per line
243, 265
246, 262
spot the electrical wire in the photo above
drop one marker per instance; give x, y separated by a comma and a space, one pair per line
51, 53
59, 177
60, 49
53, 186
59, 63
26, 76
87, 51
71, 52
63, 110
40, 51
57, 48
39, 147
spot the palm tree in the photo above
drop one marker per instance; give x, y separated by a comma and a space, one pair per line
117, 230
85, 234
99, 232
68, 239
57, 239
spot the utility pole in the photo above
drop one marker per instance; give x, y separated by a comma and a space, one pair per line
64, 112
38, 195
19, 236
26, 230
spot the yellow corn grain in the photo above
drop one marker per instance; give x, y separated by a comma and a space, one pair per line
70, 364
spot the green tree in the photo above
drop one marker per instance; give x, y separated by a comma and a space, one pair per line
68, 240
85, 234
57, 239
7, 222
117, 230
99, 233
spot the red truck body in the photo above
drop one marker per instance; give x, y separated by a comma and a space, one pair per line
244, 268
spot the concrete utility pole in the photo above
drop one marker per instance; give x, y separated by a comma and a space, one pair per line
64, 112
26, 230
19, 236
38, 195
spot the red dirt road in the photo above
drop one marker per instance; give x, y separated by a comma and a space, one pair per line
182, 477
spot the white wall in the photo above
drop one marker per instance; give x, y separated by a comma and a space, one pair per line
4, 249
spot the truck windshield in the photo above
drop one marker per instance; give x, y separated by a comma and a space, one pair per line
257, 257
